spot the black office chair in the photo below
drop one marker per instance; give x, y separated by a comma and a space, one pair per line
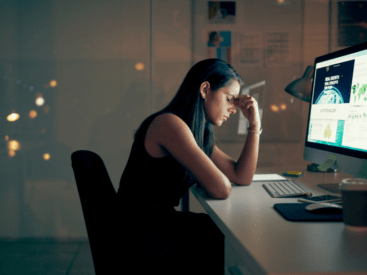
98, 198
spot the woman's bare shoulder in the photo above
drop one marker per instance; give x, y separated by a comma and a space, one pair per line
164, 122
174, 135
163, 126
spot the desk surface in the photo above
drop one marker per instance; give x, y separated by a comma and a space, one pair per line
270, 244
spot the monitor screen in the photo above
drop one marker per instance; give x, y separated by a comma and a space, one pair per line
337, 119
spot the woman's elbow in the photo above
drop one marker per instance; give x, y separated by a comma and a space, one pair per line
222, 197
227, 193
243, 183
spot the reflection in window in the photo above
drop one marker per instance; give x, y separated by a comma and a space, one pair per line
32, 114
53, 83
13, 117
139, 66
274, 108
13, 145
40, 101
46, 156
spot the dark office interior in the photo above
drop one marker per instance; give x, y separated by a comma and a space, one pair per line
83, 75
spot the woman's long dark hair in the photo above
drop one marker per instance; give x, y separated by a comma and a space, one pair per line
188, 103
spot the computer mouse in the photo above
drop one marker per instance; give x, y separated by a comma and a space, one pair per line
324, 207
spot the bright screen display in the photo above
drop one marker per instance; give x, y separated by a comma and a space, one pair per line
338, 111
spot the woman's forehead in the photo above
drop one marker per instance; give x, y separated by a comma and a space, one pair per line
234, 89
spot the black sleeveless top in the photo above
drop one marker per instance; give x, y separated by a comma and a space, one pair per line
152, 182
153, 234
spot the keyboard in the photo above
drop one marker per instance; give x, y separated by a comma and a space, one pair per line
285, 188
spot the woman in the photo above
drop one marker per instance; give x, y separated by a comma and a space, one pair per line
172, 150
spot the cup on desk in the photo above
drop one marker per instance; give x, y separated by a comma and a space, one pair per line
354, 198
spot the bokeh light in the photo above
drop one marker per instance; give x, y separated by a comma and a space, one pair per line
11, 153
283, 107
139, 66
13, 145
6, 137
40, 101
43, 131
46, 156
53, 83
13, 117
280, 1
32, 114
274, 108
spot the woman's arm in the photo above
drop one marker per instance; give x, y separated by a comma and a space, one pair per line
242, 171
247, 162
171, 132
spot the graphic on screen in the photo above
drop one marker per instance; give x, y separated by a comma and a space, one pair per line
359, 93
327, 132
333, 83
338, 114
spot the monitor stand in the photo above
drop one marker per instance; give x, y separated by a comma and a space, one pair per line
331, 187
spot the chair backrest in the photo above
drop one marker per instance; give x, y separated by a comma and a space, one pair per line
98, 198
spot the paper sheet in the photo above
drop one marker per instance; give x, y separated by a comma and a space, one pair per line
267, 177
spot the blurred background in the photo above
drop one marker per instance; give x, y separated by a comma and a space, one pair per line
83, 75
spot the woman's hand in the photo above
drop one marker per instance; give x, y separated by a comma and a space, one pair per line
250, 109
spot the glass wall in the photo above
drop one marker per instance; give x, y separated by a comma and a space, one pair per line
83, 75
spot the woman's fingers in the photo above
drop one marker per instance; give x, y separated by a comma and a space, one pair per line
244, 101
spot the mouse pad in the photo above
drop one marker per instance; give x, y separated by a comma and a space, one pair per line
297, 212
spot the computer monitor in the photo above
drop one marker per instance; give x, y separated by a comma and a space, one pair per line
337, 119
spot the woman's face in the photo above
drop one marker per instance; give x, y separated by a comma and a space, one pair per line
220, 104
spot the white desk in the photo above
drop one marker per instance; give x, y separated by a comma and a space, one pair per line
260, 241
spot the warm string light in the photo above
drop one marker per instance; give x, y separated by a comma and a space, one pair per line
12, 117
139, 66
39, 97
46, 156
14, 145
53, 83
32, 114
40, 101
276, 108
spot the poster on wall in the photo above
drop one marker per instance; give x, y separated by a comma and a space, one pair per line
220, 12
277, 49
352, 23
251, 49
219, 45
